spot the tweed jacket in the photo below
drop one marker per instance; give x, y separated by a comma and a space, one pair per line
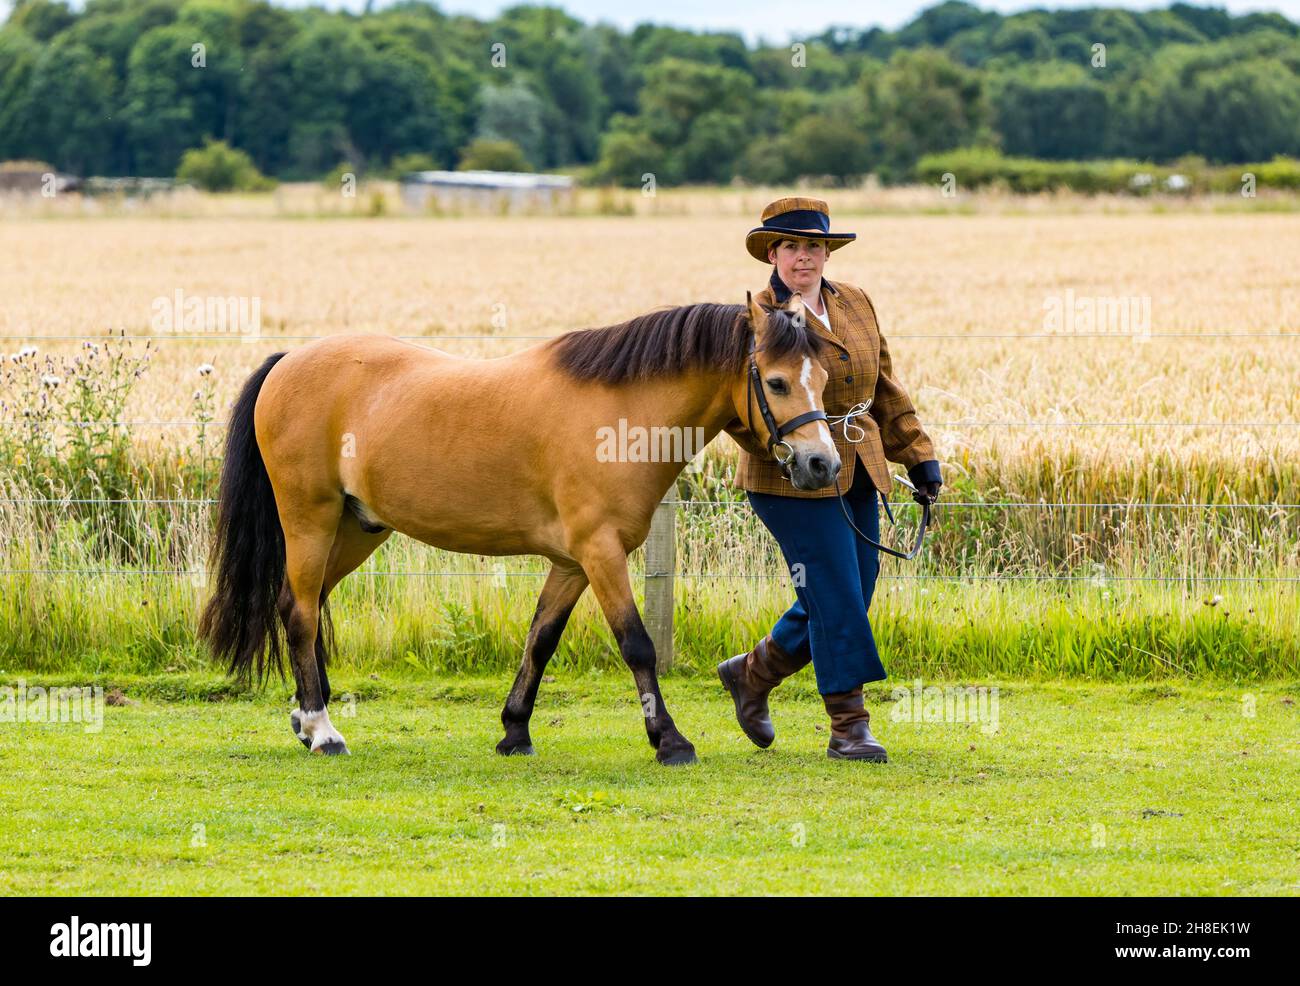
859, 369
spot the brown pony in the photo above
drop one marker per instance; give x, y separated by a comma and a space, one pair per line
335, 445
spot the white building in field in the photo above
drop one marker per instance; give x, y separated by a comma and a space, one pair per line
35, 178
504, 192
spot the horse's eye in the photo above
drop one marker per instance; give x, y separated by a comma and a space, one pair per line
777, 386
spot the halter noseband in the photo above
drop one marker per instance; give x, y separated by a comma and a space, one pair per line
775, 432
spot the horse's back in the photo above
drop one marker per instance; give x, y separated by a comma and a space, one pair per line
372, 352
342, 369
423, 438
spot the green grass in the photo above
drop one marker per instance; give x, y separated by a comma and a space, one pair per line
1085, 788
1088, 630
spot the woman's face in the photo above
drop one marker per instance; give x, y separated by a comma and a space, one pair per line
799, 263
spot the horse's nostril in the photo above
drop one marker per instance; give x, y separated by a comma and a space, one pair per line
822, 469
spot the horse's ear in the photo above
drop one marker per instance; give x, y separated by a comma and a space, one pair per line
757, 314
794, 306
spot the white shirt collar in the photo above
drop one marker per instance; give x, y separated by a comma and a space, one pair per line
824, 317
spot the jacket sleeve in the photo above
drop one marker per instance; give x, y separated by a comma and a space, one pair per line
901, 434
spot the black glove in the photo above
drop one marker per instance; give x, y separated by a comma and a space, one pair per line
927, 492
927, 480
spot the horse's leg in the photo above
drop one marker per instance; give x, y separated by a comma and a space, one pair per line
605, 563
352, 546
309, 534
564, 585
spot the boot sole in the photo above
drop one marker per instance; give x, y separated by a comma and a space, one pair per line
735, 702
881, 757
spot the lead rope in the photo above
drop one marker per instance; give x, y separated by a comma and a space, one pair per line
846, 422
920, 534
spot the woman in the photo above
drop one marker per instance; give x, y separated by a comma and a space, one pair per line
834, 571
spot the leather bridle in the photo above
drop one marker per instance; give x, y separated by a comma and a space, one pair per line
775, 433
776, 439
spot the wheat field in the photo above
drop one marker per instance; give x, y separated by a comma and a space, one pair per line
957, 278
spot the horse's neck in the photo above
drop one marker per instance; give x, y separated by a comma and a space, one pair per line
697, 399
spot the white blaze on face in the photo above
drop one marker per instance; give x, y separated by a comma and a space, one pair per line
805, 378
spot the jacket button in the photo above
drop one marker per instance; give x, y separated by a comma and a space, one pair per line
848, 379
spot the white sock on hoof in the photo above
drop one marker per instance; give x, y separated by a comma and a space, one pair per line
316, 727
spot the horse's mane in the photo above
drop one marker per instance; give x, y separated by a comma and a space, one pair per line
674, 340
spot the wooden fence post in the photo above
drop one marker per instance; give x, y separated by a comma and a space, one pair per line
660, 564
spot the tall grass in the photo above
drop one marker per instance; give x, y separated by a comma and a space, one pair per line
421, 625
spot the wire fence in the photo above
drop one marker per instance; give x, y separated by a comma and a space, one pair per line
735, 504
257, 338
217, 423
1099, 579
665, 527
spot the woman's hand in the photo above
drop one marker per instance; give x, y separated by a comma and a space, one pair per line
926, 481
927, 492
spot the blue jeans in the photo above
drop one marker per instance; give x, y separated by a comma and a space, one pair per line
828, 619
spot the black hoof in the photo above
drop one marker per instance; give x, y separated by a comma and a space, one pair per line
296, 723
332, 748
677, 756
510, 748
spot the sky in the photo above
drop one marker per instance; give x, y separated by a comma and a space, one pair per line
772, 20
779, 20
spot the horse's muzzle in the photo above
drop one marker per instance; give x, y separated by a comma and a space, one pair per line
813, 470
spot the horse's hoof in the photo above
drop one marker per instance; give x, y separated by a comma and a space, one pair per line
508, 749
332, 748
677, 756
296, 723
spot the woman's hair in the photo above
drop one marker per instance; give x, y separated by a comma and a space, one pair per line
810, 239
776, 244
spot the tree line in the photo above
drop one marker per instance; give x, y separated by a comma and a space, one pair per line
128, 86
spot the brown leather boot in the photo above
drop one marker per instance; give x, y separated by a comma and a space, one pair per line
749, 678
851, 737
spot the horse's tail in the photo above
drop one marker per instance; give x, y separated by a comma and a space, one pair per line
241, 622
